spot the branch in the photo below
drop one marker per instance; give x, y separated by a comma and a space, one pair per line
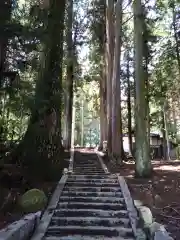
127, 5
127, 20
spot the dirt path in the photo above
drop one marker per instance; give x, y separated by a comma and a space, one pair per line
161, 193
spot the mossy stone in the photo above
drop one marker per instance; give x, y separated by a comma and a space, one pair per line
33, 200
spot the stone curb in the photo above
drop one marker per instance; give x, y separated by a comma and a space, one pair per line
153, 230
22, 229
46, 218
100, 154
132, 211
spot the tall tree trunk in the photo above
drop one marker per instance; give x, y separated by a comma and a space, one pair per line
110, 57
42, 142
70, 76
176, 37
129, 106
5, 13
164, 143
103, 79
165, 109
174, 119
73, 122
147, 102
116, 91
103, 114
82, 122
143, 163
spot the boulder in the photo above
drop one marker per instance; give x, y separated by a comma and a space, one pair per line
33, 200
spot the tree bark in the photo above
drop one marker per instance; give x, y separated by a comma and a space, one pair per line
42, 142
176, 37
109, 62
143, 163
129, 106
147, 102
116, 91
174, 119
103, 112
82, 122
103, 79
164, 144
165, 108
70, 77
5, 13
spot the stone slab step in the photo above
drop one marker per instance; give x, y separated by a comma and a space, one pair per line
92, 199
80, 237
90, 221
89, 205
89, 230
85, 184
91, 194
90, 213
88, 166
93, 176
91, 181
92, 189
88, 172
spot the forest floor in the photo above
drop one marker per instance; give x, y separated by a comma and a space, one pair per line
161, 193
14, 182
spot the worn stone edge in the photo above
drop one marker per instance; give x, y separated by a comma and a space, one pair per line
160, 229
46, 218
103, 165
22, 229
132, 211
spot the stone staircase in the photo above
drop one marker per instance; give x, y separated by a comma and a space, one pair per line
91, 204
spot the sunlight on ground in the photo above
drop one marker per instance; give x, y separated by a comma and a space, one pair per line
168, 168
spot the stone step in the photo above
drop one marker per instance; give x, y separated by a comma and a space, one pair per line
92, 181
85, 184
88, 172
84, 163
91, 194
90, 205
93, 176
92, 189
89, 169
90, 213
87, 166
90, 221
81, 237
90, 230
92, 199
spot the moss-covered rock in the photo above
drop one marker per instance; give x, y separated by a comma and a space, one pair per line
33, 200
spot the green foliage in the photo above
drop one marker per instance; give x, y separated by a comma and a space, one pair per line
17, 94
